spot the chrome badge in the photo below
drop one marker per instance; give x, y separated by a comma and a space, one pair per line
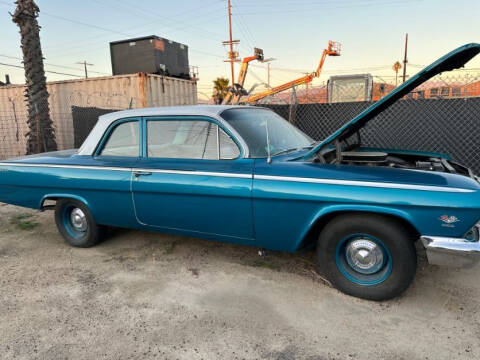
449, 220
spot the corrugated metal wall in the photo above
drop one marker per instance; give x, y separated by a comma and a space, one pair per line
113, 92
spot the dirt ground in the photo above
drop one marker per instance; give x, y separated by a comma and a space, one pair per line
144, 295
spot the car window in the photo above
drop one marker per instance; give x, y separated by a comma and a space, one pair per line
228, 147
123, 141
182, 139
254, 124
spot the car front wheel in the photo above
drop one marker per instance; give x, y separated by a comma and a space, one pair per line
367, 256
76, 224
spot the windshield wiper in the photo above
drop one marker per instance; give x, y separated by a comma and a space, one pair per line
315, 143
284, 151
310, 146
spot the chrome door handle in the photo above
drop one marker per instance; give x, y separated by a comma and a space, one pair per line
142, 173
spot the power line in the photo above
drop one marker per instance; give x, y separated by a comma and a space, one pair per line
47, 71
300, 2
297, 10
176, 20
247, 29
297, 3
300, 71
85, 66
243, 29
108, 30
55, 65
157, 17
95, 26
84, 24
174, 16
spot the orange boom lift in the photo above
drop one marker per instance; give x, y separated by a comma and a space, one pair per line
235, 92
333, 49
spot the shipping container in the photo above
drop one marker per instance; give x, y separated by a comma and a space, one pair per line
150, 54
111, 93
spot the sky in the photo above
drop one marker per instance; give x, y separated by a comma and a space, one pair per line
294, 33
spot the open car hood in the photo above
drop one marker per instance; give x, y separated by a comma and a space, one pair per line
453, 60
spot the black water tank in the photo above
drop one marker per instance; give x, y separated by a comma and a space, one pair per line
150, 54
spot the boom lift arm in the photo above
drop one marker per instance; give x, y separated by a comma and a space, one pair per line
237, 90
333, 49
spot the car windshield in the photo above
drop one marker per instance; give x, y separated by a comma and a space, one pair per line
254, 124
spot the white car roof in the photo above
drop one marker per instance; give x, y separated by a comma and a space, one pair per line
207, 110
104, 121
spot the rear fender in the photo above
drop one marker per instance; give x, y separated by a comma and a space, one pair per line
63, 196
338, 209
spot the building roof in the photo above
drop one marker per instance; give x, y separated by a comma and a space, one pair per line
148, 37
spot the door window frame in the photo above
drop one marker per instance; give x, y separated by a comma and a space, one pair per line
106, 136
144, 143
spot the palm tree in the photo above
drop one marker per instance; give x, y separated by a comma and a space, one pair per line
220, 89
41, 135
397, 66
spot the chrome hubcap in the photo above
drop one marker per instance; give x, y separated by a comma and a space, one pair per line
364, 256
78, 220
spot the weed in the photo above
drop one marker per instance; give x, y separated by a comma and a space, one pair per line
263, 264
195, 272
169, 247
23, 221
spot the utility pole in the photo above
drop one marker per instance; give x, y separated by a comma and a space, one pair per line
268, 74
268, 69
231, 39
85, 64
405, 59
232, 55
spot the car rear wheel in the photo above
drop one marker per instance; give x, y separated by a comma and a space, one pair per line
367, 256
76, 224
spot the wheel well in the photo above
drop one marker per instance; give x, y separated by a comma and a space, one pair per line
310, 240
48, 203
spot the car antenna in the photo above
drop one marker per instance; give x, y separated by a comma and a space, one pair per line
269, 157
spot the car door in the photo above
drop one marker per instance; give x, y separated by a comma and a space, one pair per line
192, 178
108, 188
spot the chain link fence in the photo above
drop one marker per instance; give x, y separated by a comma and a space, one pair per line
442, 115
73, 117
14, 123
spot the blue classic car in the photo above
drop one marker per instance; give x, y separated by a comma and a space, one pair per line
243, 174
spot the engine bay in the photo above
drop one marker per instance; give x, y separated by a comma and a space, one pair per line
356, 154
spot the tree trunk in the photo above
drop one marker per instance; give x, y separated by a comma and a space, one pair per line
41, 134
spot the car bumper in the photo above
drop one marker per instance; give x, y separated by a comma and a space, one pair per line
455, 252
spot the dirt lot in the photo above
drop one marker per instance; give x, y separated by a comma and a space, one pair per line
147, 295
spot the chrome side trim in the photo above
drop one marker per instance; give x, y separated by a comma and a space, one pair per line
218, 142
455, 252
159, 171
82, 167
363, 183
250, 176
198, 173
